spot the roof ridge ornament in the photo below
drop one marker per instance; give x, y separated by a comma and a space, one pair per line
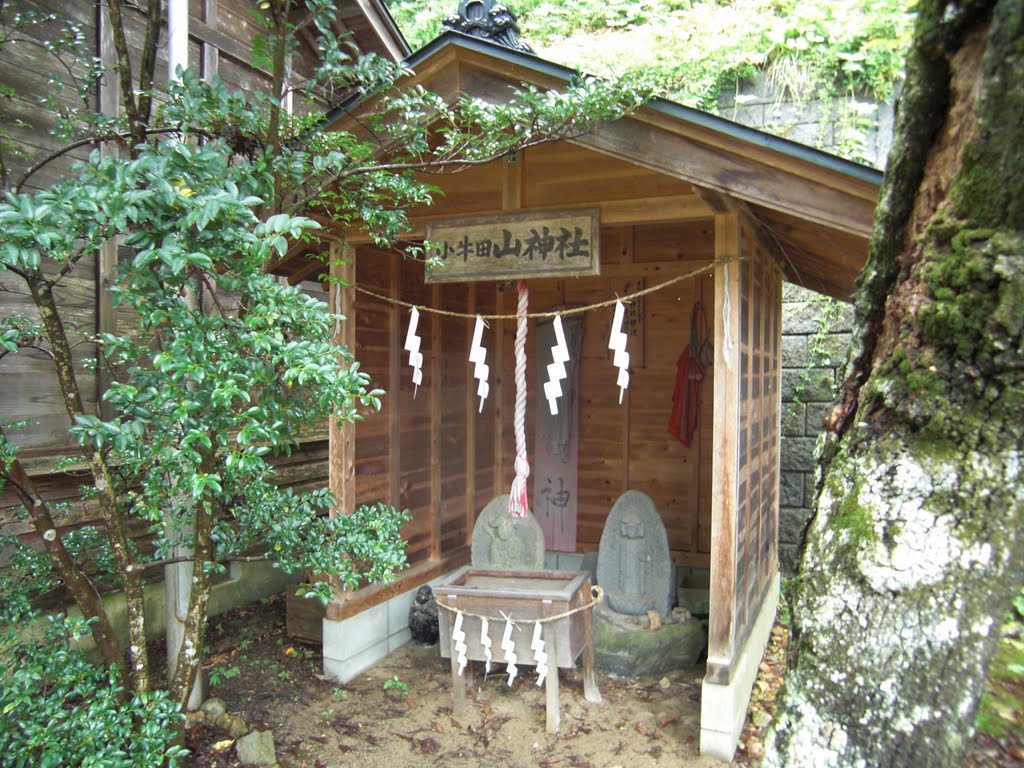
489, 20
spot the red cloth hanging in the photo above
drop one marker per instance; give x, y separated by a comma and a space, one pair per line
690, 367
686, 397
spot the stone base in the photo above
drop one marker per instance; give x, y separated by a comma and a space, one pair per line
723, 708
633, 649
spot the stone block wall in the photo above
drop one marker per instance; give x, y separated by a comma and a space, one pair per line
853, 126
816, 339
816, 331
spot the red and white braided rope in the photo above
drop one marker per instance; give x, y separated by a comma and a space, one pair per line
518, 500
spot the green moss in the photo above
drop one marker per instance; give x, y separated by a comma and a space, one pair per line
642, 652
853, 524
976, 312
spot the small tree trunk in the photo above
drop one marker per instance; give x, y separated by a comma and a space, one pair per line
77, 583
916, 548
103, 481
189, 660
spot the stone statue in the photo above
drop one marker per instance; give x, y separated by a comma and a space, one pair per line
423, 624
503, 541
633, 563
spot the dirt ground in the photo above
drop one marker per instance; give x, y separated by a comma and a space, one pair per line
398, 714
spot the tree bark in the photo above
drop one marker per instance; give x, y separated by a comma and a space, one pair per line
103, 482
78, 584
916, 547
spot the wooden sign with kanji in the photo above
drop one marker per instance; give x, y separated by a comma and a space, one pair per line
512, 246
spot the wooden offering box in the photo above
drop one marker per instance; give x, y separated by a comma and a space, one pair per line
525, 597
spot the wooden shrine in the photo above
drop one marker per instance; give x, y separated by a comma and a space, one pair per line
721, 214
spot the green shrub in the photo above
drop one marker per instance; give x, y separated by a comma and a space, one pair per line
59, 710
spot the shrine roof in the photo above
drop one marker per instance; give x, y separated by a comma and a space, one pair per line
817, 207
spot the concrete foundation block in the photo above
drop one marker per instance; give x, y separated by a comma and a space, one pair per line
398, 639
349, 637
723, 708
355, 644
343, 670
398, 611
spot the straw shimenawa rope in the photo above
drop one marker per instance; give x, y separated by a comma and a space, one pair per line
563, 312
597, 595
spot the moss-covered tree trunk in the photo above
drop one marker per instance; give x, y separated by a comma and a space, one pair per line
917, 545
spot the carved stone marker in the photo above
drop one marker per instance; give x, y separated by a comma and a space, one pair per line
503, 541
633, 562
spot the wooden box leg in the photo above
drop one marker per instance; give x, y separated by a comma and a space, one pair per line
590, 690
554, 715
554, 719
458, 690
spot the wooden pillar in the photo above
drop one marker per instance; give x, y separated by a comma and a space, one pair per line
435, 425
394, 372
470, 429
721, 630
498, 394
342, 437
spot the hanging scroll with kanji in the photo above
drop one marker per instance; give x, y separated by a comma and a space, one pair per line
513, 246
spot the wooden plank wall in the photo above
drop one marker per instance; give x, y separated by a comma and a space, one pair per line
434, 454
221, 33
756, 525
747, 320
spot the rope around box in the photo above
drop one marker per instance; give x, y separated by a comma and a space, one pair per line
537, 644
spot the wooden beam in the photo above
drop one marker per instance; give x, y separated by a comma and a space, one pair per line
512, 182
311, 268
210, 52
645, 210
499, 392
724, 492
712, 167
207, 35
384, 29
718, 202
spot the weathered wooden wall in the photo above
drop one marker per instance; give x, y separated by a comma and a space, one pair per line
745, 478
221, 33
436, 455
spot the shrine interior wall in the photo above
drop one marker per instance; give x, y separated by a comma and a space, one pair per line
434, 452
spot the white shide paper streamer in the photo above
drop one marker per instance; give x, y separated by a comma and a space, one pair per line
477, 355
617, 343
485, 641
412, 344
556, 369
539, 655
510, 651
459, 638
